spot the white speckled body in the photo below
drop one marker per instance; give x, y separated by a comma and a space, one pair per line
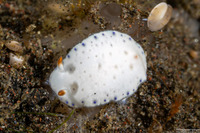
106, 66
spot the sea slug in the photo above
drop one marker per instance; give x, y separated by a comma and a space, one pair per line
106, 66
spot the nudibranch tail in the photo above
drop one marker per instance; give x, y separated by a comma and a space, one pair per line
60, 64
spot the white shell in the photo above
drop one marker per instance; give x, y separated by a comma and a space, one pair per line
16, 60
159, 16
106, 66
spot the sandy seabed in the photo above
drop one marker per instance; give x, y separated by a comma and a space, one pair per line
169, 101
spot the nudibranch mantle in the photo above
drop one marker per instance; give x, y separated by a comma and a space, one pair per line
107, 66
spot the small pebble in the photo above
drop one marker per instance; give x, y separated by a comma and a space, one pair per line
193, 54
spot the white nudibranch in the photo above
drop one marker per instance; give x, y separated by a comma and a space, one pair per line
106, 66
